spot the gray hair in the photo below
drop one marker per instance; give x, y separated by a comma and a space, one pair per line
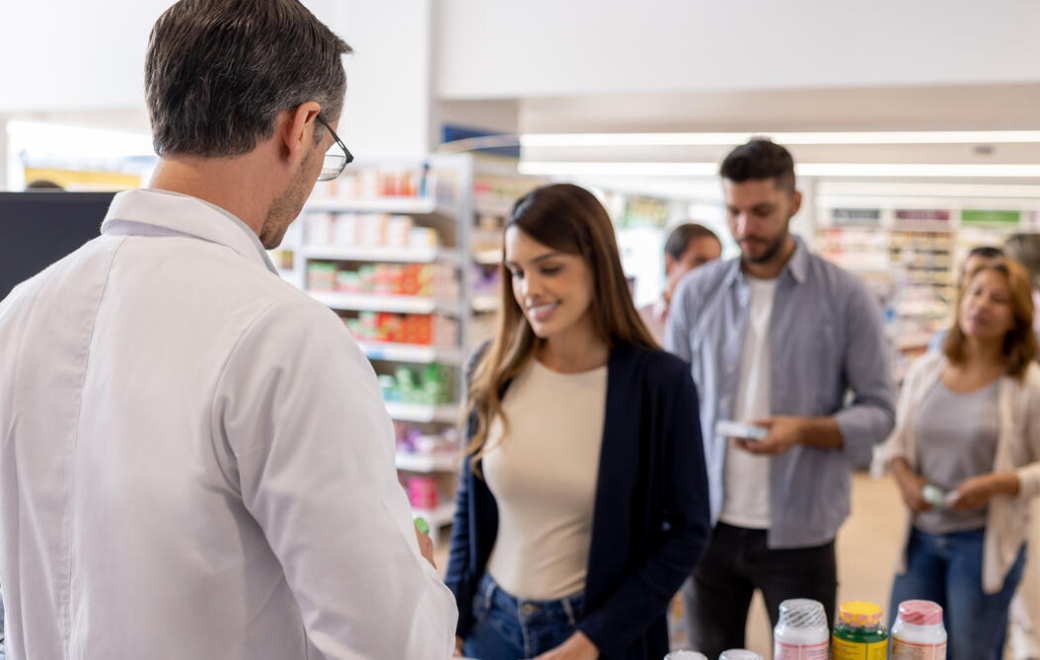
219, 72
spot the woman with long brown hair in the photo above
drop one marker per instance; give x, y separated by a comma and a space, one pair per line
964, 454
584, 504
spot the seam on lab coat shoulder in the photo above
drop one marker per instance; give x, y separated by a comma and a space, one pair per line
66, 487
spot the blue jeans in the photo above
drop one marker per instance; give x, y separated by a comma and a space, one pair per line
508, 628
947, 569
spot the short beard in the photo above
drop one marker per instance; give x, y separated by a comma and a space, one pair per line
773, 249
285, 208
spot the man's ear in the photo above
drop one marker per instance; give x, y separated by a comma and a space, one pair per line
796, 202
297, 130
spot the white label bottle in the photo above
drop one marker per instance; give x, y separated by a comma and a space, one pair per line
802, 632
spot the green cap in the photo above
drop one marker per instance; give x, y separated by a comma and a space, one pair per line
422, 525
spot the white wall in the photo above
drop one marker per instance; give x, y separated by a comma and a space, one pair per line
63, 55
553, 48
388, 111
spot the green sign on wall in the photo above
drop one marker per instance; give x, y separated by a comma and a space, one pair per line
990, 217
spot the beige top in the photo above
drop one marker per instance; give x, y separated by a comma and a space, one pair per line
543, 473
1018, 450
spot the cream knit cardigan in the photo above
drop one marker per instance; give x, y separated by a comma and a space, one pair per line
1018, 449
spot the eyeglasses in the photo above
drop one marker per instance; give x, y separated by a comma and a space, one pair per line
336, 158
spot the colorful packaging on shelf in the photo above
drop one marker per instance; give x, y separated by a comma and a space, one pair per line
424, 280
321, 276
433, 388
420, 329
422, 237
423, 493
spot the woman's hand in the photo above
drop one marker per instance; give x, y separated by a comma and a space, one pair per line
459, 643
911, 486
976, 492
577, 647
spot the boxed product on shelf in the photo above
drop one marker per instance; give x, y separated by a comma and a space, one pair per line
373, 182
434, 280
375, 230
321, 276
487, 280
419, 329
406, 385
412, 440
495, 195
423, 493
283, 259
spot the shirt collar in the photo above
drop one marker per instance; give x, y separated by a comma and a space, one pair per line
149, 211
797, 265
660, 309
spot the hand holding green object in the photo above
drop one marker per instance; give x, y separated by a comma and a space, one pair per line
422, 525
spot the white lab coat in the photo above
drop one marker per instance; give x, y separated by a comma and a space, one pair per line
195, 460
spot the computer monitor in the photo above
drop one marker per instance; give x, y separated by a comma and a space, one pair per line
39, 228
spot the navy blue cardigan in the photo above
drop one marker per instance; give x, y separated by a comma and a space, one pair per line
651, 521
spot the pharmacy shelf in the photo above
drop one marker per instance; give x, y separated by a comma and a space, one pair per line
415, 412
488, 257
442, 516
394, 205
495, 207
485, 303
382, 254
364, 302
426, 463
418, 353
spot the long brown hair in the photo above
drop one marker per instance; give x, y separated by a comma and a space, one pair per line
570, 219
1020, 346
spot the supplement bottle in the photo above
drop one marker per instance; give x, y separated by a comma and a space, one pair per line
918, 633
802, 632
859, 635
685, 655
739, 654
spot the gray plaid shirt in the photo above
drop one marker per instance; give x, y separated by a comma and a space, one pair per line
826, 340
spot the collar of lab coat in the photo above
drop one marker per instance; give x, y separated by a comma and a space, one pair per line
150, 212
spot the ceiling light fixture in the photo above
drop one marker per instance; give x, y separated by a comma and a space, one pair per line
782, 137
841, 170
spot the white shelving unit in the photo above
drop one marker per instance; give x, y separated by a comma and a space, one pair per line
426, 463
367, 302
396, 205
485, 303
414, 353
383, 255
417, 412
448, 206
908, 242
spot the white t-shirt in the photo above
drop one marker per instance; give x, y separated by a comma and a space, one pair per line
746, 478
543, 474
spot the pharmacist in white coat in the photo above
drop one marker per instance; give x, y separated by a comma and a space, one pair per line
195, 460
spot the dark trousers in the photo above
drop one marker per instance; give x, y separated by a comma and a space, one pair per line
738, 561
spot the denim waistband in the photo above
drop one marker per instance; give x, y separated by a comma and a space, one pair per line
569, 608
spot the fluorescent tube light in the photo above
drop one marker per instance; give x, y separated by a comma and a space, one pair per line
782, 137
679, 169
